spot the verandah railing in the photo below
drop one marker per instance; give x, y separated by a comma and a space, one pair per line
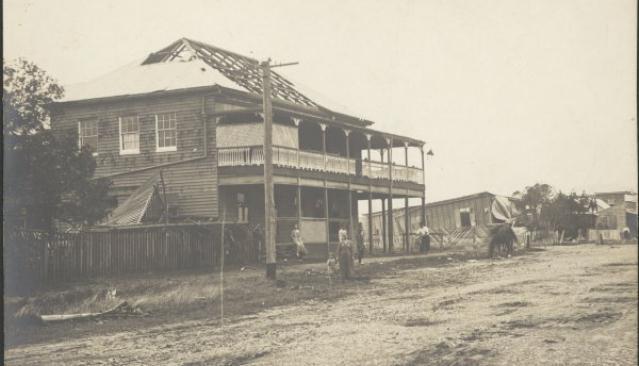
308, 160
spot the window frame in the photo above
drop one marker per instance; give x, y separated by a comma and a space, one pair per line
157, 132
97, 135
120, 135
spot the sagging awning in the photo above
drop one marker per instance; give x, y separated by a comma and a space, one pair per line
143, 206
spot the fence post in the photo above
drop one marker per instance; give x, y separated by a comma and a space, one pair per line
45, 256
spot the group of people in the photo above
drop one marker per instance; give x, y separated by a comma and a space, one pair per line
344, 242
343, 254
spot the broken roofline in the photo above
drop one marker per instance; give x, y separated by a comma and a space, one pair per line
242, 70
323, 115
448, 201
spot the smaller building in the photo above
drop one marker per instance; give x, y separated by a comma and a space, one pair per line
460, 220
622, 214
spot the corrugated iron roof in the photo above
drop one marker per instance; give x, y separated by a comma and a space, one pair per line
135, 79
137, 208
186, 64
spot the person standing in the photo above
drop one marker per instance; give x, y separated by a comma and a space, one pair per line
424, 236
344, 253
296, 236
360, 242
342, 234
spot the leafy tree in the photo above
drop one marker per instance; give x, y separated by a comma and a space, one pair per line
27, 90
46, 176
531, 201
566, 213
546, 210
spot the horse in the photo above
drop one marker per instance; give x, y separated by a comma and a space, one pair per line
502, 238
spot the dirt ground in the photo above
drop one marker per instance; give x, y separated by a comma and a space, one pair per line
565, 305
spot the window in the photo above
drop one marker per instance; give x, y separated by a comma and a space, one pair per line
465, 219
166, 132
88, 135
129, 135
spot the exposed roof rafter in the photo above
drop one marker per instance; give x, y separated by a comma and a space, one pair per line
242, 70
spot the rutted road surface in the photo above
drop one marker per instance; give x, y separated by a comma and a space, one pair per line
559, 306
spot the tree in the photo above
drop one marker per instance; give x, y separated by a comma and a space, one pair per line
27, 90
46, 176
566, 213
531, 202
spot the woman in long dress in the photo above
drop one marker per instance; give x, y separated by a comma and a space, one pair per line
296, 236
345, 253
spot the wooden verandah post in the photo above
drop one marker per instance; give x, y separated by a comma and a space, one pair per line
406, 207
370, 196
389, 142
423, 210
328, 222
384, 231
350, 193
297, 121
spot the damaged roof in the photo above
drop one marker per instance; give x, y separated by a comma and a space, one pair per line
143, 205
186, 64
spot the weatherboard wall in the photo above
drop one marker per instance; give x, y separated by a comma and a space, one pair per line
190, 172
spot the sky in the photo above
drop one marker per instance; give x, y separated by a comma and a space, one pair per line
505, 93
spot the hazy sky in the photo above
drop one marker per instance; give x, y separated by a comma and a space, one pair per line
506, 93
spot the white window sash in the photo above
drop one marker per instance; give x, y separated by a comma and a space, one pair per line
157, 135
121, 136
81, 138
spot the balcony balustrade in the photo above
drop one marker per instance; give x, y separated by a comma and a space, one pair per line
315, 161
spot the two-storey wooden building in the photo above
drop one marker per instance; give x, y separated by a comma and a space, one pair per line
193, 111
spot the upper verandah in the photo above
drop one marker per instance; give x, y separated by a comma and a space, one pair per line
190, 65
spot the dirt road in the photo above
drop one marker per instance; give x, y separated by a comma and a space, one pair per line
571, 305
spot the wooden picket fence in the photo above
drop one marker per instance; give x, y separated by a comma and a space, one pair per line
32, 257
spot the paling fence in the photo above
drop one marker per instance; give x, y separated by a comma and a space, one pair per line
32, 257
470, 238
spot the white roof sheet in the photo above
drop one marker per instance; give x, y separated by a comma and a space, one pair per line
135, 78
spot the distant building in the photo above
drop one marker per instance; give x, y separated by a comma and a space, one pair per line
621, 214
624, 198
464, 218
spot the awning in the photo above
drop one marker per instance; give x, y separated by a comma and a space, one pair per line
503, 209
144, 205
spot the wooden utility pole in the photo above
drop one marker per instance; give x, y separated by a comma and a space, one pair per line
423, 208
270, 219
222, 255
269, 204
